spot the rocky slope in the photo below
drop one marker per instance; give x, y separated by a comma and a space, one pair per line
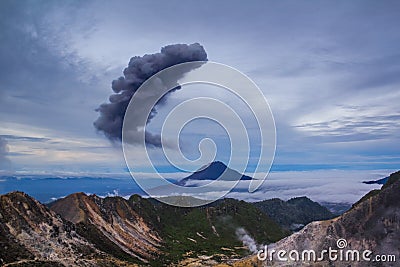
31, 234
112, 224
373, 223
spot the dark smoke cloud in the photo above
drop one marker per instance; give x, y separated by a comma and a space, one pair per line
138, 71
4, 161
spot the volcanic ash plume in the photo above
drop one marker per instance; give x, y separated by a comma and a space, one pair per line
138, 71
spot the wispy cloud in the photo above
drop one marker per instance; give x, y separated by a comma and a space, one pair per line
4, 161
25, 138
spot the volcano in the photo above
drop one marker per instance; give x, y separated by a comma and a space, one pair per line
215, 170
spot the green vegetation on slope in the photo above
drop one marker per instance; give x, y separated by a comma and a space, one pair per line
296, 211
210, 229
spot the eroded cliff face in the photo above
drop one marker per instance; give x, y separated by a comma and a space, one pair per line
29, 231
372, 224
111, 222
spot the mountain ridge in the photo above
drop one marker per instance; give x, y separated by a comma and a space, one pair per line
32, 234
87, 230
113, 219
114, 231
294, 213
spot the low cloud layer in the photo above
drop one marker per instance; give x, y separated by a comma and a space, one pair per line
138, 71
333, 186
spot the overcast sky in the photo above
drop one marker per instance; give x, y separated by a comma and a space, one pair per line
329, 69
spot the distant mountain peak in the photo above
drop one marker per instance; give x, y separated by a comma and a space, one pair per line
213, 171
217, 163
379, 181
